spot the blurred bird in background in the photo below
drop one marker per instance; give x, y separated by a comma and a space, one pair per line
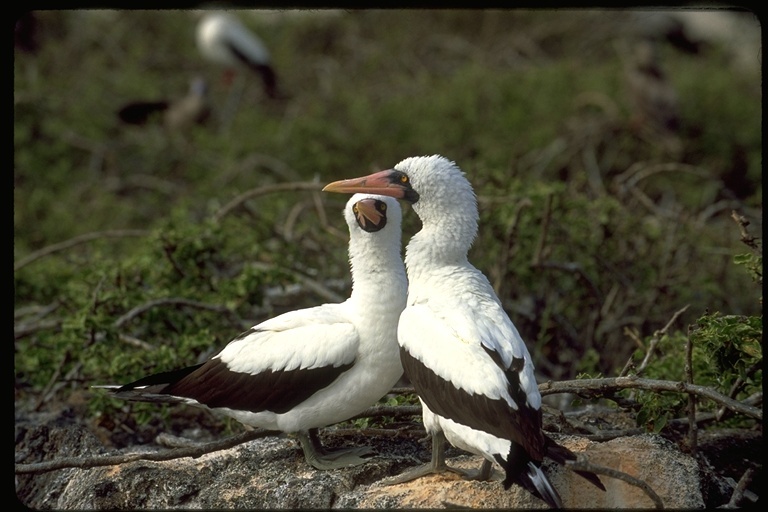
224, 40
194, 108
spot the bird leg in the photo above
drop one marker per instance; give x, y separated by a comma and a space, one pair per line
438, 465
326, 459
481, 475
228, 113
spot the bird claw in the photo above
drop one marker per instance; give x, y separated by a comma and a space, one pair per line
419, 472
340, 458
481, 475
326, 459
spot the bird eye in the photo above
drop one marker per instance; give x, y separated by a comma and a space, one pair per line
403, 179
354, 208
383, 207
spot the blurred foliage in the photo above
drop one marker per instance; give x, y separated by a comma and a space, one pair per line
592, 221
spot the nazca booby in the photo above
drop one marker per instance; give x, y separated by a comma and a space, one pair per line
465, 358
223, 39
194, 108
312, 367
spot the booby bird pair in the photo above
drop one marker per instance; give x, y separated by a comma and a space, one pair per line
468, 364
223, 39
313, 367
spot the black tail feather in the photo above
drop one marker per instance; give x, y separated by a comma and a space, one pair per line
521, 470
157, 382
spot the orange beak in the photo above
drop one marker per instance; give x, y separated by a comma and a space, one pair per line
391, 183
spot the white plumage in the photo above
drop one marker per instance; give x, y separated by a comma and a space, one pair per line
313, 367
468, 364
223, 39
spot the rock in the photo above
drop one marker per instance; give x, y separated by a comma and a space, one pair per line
673, 475
271, 473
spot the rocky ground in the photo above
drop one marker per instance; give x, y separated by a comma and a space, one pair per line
271, 473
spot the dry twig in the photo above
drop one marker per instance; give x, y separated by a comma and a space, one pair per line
640, 171
748, 239
738, 385
111, 460
692, 425
611, 385
80, 239
582, 465
396, 411
741, 489
657, 336
138, 310
538, 252
266, 189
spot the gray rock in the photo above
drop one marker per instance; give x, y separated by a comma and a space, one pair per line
271, 473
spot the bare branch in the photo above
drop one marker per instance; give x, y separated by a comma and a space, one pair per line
136, 342
610, 385
748, 239
596, 434
80, 239
380, 432
111, 460
509, 238
27, 328
319, 208
35, 310
538, 252
657, 337
592, 168
639, 171
714, 209
582, 465
738, 385
52, 381
389, 411
741, 488
266, 189
138, 310
651, 205
290, 220
693, 428
315, 286
198, 449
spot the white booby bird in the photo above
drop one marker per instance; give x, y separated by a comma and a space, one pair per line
312, 367
223, 39
468, 364
193, 108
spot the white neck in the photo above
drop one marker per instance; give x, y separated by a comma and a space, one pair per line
376, 268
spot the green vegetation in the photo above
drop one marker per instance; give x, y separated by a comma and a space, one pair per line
595, 228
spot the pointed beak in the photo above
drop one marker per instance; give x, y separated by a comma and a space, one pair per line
385, 183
